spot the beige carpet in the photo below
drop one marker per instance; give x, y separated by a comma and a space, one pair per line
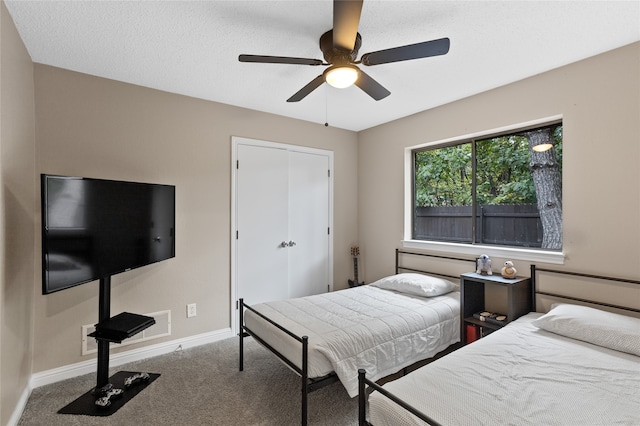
202, 386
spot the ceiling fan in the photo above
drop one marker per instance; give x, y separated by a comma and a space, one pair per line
340, 49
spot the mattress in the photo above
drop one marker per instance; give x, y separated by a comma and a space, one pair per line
366, 327
519, 375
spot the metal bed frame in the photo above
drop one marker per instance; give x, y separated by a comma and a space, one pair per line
309, 384
366, 386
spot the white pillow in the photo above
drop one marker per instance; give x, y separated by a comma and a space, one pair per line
416, 284
607, 329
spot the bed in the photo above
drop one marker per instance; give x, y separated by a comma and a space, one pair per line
576, 364
387, 326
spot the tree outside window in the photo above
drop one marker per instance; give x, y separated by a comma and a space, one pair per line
497, 190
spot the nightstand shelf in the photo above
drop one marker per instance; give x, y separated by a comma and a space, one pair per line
492, 293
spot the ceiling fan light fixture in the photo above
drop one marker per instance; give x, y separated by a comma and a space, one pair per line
542, 147
340, 47
341, 76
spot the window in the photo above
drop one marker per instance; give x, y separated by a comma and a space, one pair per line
504, 190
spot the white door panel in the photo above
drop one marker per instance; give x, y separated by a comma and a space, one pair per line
262, 223
281, 194
308, 224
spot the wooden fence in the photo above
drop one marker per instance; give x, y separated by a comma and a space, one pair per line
509, 225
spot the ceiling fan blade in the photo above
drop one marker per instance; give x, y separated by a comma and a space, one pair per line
279, 60
405, 53
313, 85
371, 87
346, 18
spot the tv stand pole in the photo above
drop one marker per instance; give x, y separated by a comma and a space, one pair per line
106, 398
104, 313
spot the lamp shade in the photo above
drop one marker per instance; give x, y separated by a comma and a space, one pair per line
341, 76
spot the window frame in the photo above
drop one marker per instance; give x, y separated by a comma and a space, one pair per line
514, 253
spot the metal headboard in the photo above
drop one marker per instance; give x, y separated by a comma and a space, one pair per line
437, 256
534, 287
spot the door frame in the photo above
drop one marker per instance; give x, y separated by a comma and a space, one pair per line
235, 141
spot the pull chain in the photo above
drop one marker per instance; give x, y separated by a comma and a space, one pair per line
326, 107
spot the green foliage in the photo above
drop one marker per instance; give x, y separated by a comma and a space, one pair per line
502, 172
557, 146
443, 176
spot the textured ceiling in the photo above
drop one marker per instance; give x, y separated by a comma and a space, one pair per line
192, 48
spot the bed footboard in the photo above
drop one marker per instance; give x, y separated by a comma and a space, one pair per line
363, 382
307, 384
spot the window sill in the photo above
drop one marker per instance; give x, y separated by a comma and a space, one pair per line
510, 253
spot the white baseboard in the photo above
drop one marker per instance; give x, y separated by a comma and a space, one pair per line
85, 367
17, 413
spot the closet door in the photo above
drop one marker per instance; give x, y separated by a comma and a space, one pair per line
262, 210
308, 224
281, 240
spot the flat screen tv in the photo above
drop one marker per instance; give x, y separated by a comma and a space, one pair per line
95, 228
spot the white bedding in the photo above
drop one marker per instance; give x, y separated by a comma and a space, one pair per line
519, 375
366, 327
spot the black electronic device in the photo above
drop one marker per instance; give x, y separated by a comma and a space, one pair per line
122, 326
96, 228
93, 229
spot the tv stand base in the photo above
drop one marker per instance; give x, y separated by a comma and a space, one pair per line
86, 404
98, 392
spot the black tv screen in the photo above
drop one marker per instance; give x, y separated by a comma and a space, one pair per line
95, 228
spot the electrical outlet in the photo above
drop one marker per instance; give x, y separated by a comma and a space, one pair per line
191, 310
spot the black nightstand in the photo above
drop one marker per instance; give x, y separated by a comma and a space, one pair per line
492, 293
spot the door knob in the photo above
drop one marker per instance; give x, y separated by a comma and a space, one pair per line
292, 243
284, 244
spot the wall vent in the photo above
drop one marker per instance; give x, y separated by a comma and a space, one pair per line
161, 328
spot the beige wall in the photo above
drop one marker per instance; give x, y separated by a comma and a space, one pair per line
17, 214
599, 99
89, 126
96, 127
